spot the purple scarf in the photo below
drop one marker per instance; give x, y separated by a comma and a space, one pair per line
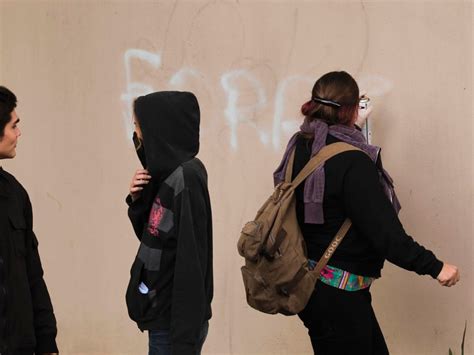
314, 184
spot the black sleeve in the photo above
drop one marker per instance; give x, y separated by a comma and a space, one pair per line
137, 215
189, 294
44, 319
374, 217
3, 288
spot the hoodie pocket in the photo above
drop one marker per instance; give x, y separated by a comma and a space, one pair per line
141, 302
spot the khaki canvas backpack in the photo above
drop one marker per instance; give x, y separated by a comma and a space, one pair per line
276, 275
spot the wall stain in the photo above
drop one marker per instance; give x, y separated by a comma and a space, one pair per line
60, 206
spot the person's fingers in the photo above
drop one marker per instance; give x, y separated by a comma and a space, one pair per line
443, 283
139, 176
453, 280
143, 176
140, 181
368, 109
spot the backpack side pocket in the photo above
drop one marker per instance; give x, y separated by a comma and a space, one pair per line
250, 241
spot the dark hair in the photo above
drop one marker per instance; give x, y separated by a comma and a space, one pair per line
329, 91
7, 105
135, 106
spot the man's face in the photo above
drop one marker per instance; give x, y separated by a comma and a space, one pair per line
10, 137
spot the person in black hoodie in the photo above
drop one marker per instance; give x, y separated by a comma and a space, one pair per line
171, 284
27, 322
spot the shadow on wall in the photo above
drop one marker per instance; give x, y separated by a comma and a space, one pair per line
462, 342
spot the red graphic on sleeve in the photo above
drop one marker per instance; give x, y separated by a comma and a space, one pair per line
156, 214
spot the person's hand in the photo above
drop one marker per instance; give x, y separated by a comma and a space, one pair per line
140, 179
363, 115
449, 275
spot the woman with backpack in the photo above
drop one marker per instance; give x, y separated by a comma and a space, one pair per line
354, 185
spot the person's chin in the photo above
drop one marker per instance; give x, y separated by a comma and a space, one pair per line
10, 156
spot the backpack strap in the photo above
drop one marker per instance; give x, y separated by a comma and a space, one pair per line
341, 233
289, 167
288, 287
319, 159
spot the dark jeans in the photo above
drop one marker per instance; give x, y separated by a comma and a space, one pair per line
159, 341
342, 322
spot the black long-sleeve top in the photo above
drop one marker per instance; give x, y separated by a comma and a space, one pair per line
27, 321
353, 190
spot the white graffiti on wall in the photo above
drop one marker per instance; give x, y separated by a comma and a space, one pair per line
135, 89
179, 78
235, 113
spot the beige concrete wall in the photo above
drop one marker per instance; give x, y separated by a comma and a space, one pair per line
76, 65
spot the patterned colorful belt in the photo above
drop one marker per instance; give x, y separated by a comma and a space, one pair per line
341, 279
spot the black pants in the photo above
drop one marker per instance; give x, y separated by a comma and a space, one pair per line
342, 322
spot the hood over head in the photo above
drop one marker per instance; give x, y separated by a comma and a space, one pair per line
169, 122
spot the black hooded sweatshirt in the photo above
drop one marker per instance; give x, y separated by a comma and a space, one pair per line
171, 285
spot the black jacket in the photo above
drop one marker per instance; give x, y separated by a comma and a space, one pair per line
352, 189
27, 322
171, 284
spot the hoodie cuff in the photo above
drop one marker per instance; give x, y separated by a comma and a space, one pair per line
46, 344
436, 269
132, 203
183, 349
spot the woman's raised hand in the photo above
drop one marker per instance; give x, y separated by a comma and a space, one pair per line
363, 115
140, 179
